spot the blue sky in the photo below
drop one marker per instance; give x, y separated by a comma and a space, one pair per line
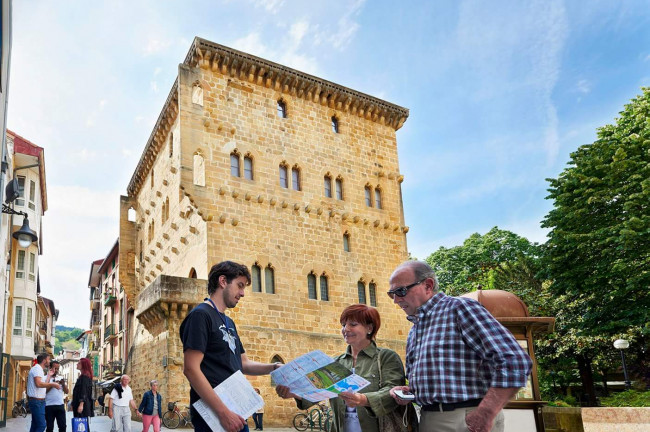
499, 92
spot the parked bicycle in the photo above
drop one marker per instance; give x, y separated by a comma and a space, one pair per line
319, 418
19, 409
174, 417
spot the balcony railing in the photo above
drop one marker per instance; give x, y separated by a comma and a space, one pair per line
109, 331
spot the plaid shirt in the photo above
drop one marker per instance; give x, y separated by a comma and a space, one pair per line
456, 351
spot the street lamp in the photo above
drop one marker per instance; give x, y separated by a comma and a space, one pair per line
622, 344
25, 235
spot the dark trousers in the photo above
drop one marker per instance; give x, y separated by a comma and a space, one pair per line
257, 418
55, 412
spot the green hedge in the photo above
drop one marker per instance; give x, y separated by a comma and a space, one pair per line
629, 398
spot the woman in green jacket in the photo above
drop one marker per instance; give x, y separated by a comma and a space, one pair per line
352, 411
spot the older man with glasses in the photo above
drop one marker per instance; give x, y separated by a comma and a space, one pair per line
462, 365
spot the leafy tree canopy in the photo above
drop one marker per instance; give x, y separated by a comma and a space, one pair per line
66, 338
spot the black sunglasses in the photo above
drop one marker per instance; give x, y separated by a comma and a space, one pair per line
402, 291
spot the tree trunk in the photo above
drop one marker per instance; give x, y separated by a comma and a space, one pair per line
604, 378
587, 378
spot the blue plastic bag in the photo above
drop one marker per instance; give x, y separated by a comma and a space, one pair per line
79, 424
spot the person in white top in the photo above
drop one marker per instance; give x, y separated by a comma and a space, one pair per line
54, 405
37, 387
120, 404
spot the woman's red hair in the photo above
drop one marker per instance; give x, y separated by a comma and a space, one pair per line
362, 314
86, 368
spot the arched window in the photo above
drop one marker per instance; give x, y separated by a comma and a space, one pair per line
131, 215
372, 293
248, 168
335, 124
256, 282
324, 289
277, 359
192, 274
361, 291
197, 94
269, 280
346, 242
328, 186
378, 198
295, 178
234, 164
368, 195
284, 180
339, 188
311, 286
199, 170
282, 109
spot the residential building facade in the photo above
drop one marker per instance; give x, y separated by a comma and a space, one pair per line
292, 175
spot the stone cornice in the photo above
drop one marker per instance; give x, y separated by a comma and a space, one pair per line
228, 61
156, 140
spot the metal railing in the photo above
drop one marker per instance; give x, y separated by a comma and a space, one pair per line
109, 331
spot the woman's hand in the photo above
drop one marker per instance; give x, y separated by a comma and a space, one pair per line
285, 393
139, 414
354, 400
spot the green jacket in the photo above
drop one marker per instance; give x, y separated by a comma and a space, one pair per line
381, 402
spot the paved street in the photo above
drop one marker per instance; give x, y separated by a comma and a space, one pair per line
102, 424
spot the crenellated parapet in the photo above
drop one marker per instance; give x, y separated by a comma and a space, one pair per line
246, 67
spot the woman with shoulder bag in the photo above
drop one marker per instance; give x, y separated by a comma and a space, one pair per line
370, 409
82, 394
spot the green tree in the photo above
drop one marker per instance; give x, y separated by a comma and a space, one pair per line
598, 251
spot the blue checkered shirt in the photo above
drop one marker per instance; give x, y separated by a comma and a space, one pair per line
456, 351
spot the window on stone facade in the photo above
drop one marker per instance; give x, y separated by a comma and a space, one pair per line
311, 285
166, 208
361, 291
324, 288
339, 188
335, 124
198, 169
295, 178
284, 180
20, 201
378, 198
269, 280
256, 281
346, 242
248, 168
282, 109
152, 178
141, 251
328, 186
197, 94
192, 273
277, 359
234, 165
32, 195
368, 191
372, 293
28, 322
171, 144
18, 321
162, 213
20, 265
32, 266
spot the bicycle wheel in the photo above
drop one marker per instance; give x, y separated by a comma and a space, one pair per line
301, 422
329, 421
188, 421
171, 419
23, 411
15, 412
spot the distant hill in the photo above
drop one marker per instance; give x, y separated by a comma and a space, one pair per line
66, 338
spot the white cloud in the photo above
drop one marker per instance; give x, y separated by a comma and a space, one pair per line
154, 46
272, 6
583, 86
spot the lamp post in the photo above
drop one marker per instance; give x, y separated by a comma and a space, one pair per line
622, 344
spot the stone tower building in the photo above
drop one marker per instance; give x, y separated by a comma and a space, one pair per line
292, 175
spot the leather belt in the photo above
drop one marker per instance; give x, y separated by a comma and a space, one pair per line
34, 398
440, 406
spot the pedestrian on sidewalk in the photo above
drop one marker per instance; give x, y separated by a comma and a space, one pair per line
36, 391
82, 394
258, 415
54, 405
150, 408
120, 404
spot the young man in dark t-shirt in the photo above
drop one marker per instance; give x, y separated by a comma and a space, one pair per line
212, 350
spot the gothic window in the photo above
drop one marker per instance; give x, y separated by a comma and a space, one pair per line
335, 124
192, 274
311, 285
282, 109
328, 186
346, 242
339, 188
361, 291
372, 293
284, 171
269, 280
248, 168
256, 280
295, 178
378, 198
368, 192
234, 164
324, 289
197, 94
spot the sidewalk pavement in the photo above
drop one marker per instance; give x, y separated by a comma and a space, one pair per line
103, 424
